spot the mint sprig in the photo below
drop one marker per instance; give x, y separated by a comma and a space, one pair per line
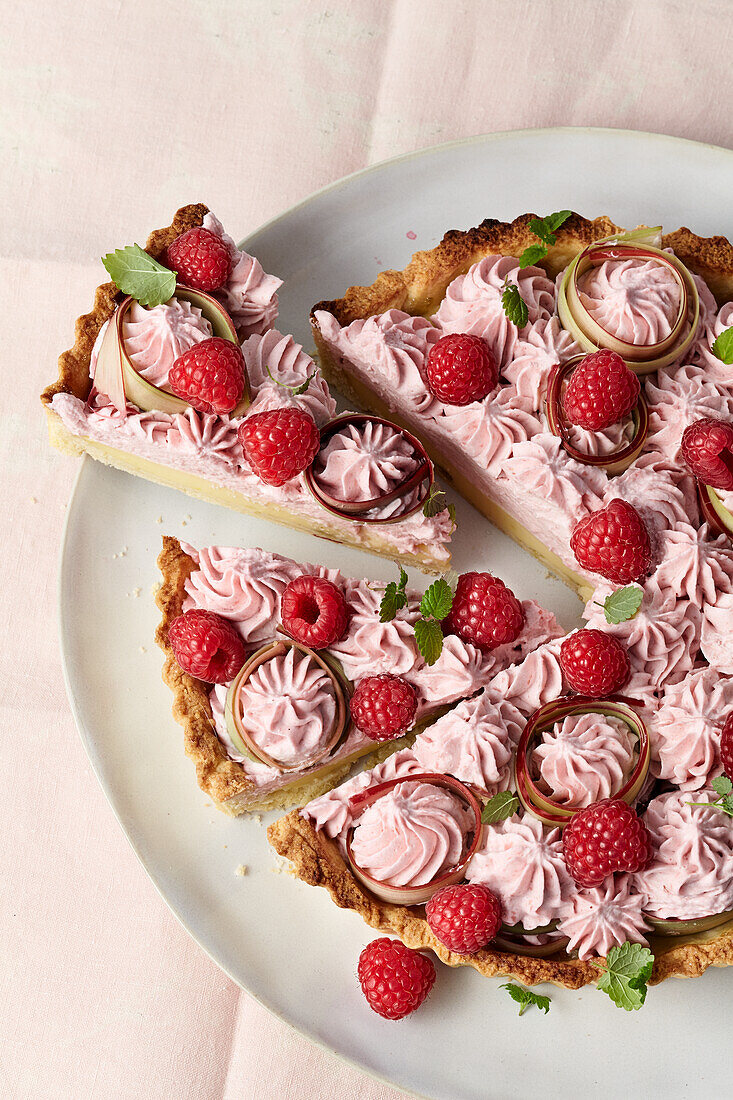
723, 346
394, 598
435, 604
513, 304
135, 272
622, 604
545, 229
503, 805
525, 997
296, 390
723, 787
624, 975
435, 503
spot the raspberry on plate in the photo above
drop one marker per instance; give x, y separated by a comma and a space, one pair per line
604, 838
726, 746
211, 376
313, 611
464, 917
461, 369
707, 448
279, 444
200, 259
602, 390
394, 979
484, 612
207, 646
614, 542
594, 663
383, 707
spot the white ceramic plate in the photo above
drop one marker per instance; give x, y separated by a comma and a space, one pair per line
282, 941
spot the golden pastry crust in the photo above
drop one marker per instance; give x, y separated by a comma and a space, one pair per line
317, 861
74, 363
421, 286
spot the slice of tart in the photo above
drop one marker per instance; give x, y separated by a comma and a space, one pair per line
181, 378
481, 347
284, 674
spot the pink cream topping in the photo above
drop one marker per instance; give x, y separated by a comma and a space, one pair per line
364, 463
411, 835
718, 321
716, 638
695, 563
583, 759
333, 813
691, 874
686, 730
660, 489
288, 706
250, 294
676, 399
155, 338
490, 429
635, 300
522, 863
543, 344
542, 467
276, 365
604, 917
534, 682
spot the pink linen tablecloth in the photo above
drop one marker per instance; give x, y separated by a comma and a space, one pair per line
113, 115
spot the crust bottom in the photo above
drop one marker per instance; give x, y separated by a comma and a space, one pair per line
317, 861
203, 489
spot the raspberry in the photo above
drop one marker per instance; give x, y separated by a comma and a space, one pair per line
394, 979
207, 646
464, 917
604, 838
210, 376
200, 259
313, 611
594, 663
461, 369
484, 612
280, 444
601, 391
726, 746
614, 542
383, 706
707, 448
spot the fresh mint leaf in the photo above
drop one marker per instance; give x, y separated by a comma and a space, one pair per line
722, 785
429, 639
625, 973
623, 604
437, 600
525, 997
394, 598
136, 273
499, 808
296, 390
532, 255
452, 514
514, 304
723, 346
545, 228
434, 502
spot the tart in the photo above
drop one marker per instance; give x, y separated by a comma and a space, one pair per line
620, 508
280, 725
363, 481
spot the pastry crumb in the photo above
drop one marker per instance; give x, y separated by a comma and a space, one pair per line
34, 500
159, 519
143, 649
242, 870
282, 866
257, 818
135, 592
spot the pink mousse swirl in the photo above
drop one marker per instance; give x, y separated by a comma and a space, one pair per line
250, 294
703, 356
242, 585
371, 647
604, 917
663, 637
206, 434
695, 563
662, 491
489, 430
522, 863
276, 365
154, 338
532, 683
392, 348
474, 742
686, 729
636, 300
472, 302
716, 637
288, 706
332, 812
691, 874
676, 399
583, 759
412, 834
364, 463
603, 442
543, 344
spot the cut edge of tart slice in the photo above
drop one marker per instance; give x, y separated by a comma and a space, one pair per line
74, 380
